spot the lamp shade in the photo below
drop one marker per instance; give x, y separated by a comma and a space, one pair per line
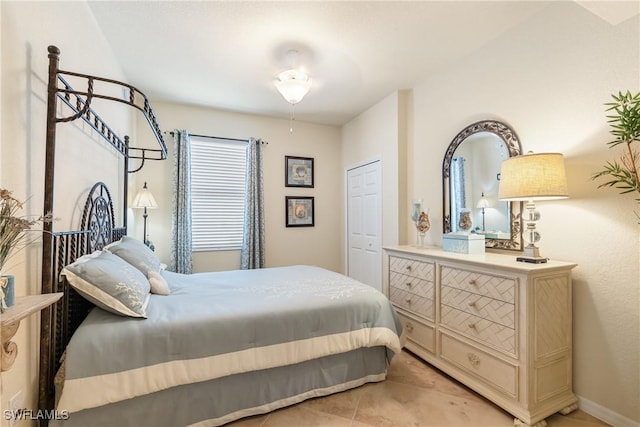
144, 199
483, 202
533, 177
293, 85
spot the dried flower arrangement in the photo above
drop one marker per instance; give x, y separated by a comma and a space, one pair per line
14, 228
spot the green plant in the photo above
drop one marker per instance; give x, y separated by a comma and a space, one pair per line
625, 127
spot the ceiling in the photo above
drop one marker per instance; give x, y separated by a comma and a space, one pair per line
226, 54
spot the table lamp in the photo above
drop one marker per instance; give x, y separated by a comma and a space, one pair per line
483, 203
528, 178
144, 199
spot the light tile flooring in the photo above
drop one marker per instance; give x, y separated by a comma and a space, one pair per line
413, 395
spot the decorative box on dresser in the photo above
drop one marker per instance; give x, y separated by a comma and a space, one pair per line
501, 327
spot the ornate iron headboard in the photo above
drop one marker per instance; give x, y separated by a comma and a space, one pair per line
96, 231
98, 227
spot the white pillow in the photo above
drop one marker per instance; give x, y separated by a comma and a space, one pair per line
158, 283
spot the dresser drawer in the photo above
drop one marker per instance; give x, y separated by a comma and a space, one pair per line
410, 267
482, 330
487, 308
498, 373
412, 302
496, 287
420, 287
418, 333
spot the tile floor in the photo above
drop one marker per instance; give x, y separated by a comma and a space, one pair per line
414, 395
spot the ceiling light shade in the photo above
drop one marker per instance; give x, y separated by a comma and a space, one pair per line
533, 177
293, 85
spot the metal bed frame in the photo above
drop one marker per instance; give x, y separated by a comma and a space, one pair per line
97, 228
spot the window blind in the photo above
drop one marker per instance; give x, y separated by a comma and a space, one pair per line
218, 174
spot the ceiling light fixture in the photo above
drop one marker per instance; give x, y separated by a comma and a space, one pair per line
293, 85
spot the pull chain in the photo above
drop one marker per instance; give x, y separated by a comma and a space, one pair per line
292, 118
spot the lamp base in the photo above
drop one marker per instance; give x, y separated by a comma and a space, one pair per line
532, 260
531, 254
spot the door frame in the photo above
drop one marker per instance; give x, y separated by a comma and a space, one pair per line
346, 214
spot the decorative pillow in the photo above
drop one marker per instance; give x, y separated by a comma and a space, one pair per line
158, 283
110, 283
135, 253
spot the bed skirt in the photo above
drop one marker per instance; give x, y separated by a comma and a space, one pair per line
226, 399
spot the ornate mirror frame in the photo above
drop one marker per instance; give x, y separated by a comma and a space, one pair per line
512, 143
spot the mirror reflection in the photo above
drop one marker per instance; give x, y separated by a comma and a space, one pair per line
471, 178
473, 184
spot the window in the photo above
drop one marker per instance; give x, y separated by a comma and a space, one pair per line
218, 169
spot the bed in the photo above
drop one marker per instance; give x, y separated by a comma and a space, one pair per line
226, 345
202, 349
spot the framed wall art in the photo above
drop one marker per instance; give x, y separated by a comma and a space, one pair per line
299, 211
298, 171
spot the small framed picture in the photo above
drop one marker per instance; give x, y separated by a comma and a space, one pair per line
298, 171
299, 211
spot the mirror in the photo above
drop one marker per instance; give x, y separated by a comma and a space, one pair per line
470, 181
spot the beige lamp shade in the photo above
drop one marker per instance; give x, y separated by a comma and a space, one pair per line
144, 199
533, 177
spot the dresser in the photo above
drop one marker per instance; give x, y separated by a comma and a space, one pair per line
501, 327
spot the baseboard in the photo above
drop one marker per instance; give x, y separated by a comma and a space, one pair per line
605, 414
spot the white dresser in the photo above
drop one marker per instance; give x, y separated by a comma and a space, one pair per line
501, 327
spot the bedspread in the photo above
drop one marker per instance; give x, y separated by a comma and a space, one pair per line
214, 325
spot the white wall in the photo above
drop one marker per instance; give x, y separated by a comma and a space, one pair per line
380, 133
548, 79
319, 245
27, 29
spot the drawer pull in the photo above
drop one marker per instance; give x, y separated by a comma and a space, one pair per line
408, 284
408, 301
408, 267
472, 304
474, 359
471, 325
473, 282
409, 327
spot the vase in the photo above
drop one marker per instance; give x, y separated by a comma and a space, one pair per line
8, 291
422, 226
465, 220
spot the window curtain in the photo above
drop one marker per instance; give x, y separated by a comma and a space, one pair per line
458, 196
252, 253
181, 250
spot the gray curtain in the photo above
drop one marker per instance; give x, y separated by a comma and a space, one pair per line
181, 254
458, 197
252, 253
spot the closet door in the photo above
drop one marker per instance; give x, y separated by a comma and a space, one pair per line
364, 224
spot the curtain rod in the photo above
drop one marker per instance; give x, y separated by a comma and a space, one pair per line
220, 137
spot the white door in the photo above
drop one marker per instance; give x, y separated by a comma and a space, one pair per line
364, 224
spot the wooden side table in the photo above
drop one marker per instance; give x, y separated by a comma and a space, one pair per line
10, 321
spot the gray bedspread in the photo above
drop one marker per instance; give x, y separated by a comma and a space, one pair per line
216, 325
